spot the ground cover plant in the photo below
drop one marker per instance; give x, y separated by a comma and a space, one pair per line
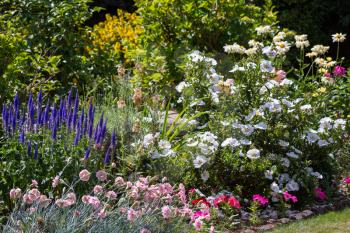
159, 122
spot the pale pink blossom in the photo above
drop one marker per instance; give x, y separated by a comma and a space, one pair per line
101, 175
111, 195
15, 193
91, 200
134, 192
144, 230
59, 202
34, 183
140, 185
119, 181
34, 194
102, 213
84, 175
44, 201
128, 184
280, 75
27, 199
32, 210
166, 212
131, 214
55, 181
182, 194
212, 229
76, 213
97, 189
198, 224
166, 188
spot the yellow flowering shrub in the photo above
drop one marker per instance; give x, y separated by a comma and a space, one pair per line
120, 33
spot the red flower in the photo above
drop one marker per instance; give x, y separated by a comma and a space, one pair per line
220, 199
201, 200
233, 202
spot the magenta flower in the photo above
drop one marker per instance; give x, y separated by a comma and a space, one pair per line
287, 196
339, 71
347, 180
319, 194
261, 199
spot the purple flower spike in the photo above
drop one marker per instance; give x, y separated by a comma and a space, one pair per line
76, 108
4, 116
69, 100
54, 132
17, 105
103, 132
29, 149
97, 133
31, 110
36, 151
47, 112
69, 120
21, 137
91, 110
114, 139
87, 153
77, 135
23, 119
85, 125
81, 118
40, 103
107, 156
13, 120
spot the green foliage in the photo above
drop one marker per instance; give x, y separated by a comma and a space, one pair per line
46, 40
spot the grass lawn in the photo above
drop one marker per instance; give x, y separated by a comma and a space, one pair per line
334, 222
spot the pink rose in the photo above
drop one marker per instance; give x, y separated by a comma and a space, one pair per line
59, 203
15, 193
212, 229
131, 214
280, 75
98, 189
34, 183
198, 224
72, 197
128, 184
55, 181
102, 213
34, 194
144, 230
44, 201
166, 188
166, 212
91, 200
84, 175
119, 181
101, 175
85, 199
111, 195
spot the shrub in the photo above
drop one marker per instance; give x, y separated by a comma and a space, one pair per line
172, 28
51, 52
117, 34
